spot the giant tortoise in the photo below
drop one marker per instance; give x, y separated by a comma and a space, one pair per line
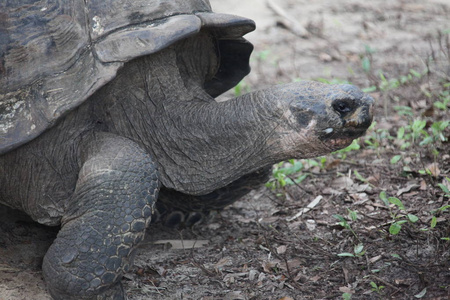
104, 102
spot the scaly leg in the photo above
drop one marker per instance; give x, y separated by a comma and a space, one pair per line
106, 219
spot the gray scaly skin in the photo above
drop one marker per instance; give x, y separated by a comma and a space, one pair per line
95, 173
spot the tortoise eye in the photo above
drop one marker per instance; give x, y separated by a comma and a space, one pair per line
343, 106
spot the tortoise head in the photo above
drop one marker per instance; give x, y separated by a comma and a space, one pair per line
321, 118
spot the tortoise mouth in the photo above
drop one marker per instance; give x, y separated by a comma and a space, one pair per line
340, 139
340, 143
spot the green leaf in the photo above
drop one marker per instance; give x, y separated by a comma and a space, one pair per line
365, 64
426, 141
346, 296
415, 73
358, 248
444, 208
395, 159
397, 202
419, 125
353, 215
412, 218
339, 217
396, 255
440, 105
404, 110
300, 178
401, 133
346, 254
395, 228
342, 221
433, 222
353, 146
369, 89
359, 176
421, 294
383, 198
444, 188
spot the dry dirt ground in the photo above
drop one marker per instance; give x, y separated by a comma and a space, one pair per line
261, 247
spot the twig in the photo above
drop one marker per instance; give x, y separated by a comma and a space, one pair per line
284, 259
299, 186
288, 21
386, 283
201, 266
310, 206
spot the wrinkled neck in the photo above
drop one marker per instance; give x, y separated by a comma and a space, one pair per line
199, 144
202, 146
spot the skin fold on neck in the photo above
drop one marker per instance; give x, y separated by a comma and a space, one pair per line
199, 144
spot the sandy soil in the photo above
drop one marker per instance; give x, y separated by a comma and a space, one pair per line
254, 249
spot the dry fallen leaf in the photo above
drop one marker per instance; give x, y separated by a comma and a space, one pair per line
342, 183
269, 265
234, 296
226, 261
252, 275
375, 259
434, 169
334, 164
281, 249
345, 289
408, 188
293, 264
423, 185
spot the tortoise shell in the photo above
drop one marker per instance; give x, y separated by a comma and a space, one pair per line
55, 54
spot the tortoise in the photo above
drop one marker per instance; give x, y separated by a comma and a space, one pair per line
105, 105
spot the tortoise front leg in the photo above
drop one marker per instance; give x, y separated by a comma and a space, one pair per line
105, 221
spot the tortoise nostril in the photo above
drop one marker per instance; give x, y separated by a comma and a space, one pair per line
343, 107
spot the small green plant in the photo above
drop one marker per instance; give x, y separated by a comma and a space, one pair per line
374, 139
386, 85
393, 83
444, 99
353, 215
441, 209
395, 159
416, 134
444, 188
358, 251
385, 265
437, 130
360, 177
397, 219
366, 59
376, 288
346, 296
417, 129
282, 174
354, 146
404, 110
